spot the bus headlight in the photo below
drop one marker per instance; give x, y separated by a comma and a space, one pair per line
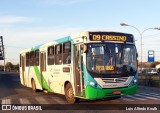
93, 84
134, 81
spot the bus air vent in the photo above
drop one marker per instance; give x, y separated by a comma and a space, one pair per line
115, 80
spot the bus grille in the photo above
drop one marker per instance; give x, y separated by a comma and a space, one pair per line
115, 80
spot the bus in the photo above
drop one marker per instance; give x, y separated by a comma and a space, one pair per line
87, 65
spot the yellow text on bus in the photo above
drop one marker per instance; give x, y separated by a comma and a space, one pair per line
108, 38
102, 68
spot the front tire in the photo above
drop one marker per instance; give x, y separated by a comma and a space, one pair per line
69, 94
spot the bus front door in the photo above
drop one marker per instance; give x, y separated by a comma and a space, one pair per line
78, 70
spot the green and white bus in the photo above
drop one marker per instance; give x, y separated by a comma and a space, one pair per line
88, 65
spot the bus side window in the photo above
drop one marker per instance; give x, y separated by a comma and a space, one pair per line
32, 58
36, 60
20, 64
27, 59
51, 55
58, 54
67, 53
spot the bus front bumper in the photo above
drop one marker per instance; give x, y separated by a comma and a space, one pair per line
94, 93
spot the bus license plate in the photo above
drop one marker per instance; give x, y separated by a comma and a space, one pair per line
116, 92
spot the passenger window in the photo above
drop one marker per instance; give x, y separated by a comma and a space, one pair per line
32, 58
67, 53
51, 55
27, 59
20, 64
58, 54
36, 61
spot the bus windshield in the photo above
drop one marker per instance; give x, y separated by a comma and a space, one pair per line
112, 58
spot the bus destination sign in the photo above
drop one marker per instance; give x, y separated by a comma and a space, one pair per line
110, 36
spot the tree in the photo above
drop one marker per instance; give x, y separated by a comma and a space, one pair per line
9, 66
1, 68
16, 67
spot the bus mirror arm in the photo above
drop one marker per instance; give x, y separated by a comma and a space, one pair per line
84, 48
137, 55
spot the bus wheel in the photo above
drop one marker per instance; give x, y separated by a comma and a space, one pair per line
69, 94
33, 86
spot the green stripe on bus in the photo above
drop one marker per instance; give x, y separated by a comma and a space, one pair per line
45, 83
38, 74
94, 93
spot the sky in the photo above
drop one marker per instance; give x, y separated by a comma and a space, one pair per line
26, 23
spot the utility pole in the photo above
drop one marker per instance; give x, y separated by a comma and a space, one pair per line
2, 53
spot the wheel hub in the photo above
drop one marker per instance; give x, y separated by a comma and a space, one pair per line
70, 93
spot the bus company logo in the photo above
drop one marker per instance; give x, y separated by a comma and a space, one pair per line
6, 107
115, 80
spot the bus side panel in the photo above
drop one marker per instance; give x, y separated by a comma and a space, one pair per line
28, 75
21, 77
31, 74
37, 77
57, 78
22, 69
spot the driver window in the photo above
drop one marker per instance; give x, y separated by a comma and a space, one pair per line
58, 54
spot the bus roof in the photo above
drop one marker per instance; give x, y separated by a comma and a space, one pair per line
72, 37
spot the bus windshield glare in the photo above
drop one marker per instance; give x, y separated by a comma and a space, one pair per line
112, 58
